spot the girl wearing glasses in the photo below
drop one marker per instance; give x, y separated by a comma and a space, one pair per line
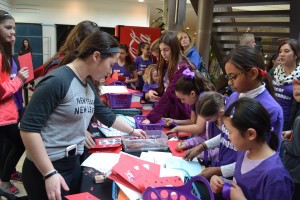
247, 76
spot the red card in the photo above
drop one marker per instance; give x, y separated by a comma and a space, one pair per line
26, 61
82, 196
106, 150
173, 148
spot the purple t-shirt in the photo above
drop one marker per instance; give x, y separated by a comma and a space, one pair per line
284, 95
122, 71
147, 87
228, 152
269, 180
141, 66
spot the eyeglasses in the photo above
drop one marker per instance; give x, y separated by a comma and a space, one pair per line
232, 77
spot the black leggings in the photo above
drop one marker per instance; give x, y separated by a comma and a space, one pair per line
69, 169
11, 150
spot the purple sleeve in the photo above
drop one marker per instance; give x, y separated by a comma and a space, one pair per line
146, 87
166, 101
194, 141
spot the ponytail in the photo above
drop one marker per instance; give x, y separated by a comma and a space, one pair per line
273, 140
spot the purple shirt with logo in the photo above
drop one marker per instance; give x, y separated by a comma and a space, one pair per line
228, 152
284, 95
141, 66
269, 180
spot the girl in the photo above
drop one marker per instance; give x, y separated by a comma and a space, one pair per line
171, 66
151, 79
142, 61
75, 37
283, 77
259, 173
11, 81
67, 98
189, 89
126, 68
26, 47
210, 107
188, 48
247, 76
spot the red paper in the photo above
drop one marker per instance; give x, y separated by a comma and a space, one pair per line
26, 61
109, 80
115, 75
82, 196
172, 146
121, 78
106, 150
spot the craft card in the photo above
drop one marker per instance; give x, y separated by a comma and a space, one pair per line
106, 150
26, 61
82, 196
173, 148
108, 142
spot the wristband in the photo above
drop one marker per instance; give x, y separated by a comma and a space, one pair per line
204, 146
48, 175
131, 131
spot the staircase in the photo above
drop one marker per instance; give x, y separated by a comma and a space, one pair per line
270, 25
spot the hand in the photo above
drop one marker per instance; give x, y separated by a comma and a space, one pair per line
287, 134
194, 152
139, 133
168, 121
173, 130
23, 73
296, 89
53, 186
180, 146
146, 121
210, 171
153, 96
236, 193
89, 141
216, 183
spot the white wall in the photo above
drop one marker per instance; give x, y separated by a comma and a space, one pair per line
104, 13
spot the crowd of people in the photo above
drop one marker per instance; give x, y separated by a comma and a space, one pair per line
249, 141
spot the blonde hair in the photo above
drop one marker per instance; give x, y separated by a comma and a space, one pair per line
154, 45
179, 36
147, 77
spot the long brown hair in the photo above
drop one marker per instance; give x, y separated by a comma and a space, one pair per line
74, 39
128, 61
5, 48
169, 39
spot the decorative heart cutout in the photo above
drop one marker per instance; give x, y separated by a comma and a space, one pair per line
137, 168
146, 166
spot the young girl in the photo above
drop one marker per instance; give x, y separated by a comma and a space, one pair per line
259, 173
142, 61
210, 107
26, 47
189, 89
171, 66
66, 97
151, 79
283, 77
11, 81
247, 76
126, 68
188, 48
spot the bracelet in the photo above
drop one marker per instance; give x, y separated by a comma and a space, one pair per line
204, 146
131, 131
49, 174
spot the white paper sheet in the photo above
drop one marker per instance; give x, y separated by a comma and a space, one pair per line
192, 167
113, 89
103, 162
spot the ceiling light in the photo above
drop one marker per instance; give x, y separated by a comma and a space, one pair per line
140, 0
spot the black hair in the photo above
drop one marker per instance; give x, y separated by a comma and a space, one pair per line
294, 45
245, 58
248, 113
198, 84
6, 47
209, 104
142, 46
97, 41
128, 61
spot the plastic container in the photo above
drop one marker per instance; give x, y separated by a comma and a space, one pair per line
157, 140
119, 100
128, 111
157, 126
184, 192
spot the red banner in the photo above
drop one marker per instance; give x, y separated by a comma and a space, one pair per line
132, 36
